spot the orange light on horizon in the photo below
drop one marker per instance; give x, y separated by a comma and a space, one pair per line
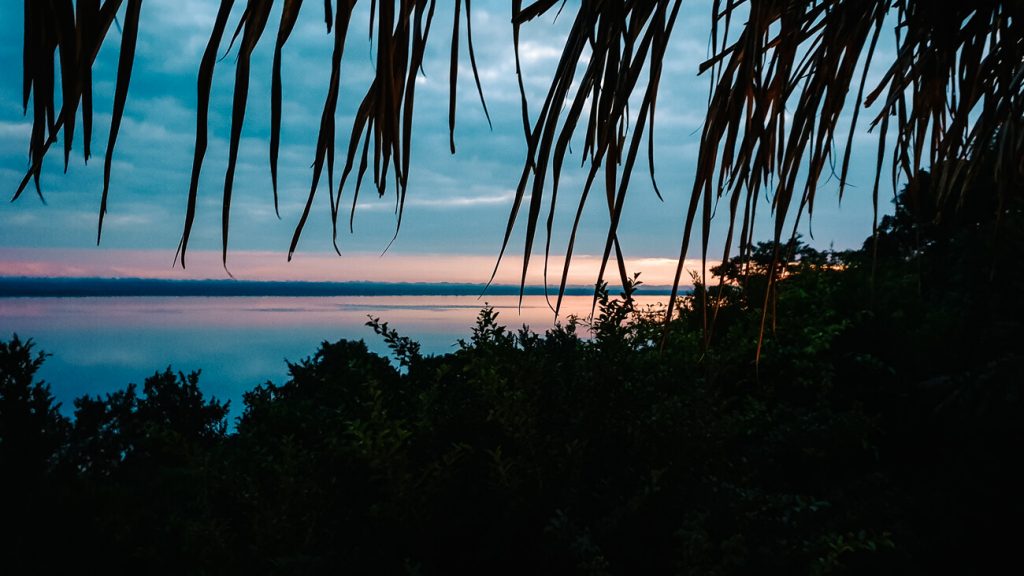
354, 267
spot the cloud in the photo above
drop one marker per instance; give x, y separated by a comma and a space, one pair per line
446, 202
15, 130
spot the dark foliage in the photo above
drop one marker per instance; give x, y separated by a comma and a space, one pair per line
32, 434
881, 432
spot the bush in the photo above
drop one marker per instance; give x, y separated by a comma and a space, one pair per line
843, 416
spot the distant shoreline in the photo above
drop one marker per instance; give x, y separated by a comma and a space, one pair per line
36, 287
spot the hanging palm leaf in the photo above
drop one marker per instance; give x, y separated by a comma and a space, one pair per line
782, 72
779, 89
53, 25
401, 28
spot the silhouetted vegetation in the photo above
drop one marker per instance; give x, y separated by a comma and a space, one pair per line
880, 432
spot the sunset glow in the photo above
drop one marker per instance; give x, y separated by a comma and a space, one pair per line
257, 265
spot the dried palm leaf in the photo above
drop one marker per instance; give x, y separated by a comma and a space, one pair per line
781, 73
401, 28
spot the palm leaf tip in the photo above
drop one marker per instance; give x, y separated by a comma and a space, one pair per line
783, 78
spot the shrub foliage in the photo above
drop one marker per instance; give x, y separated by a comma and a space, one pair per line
879, 432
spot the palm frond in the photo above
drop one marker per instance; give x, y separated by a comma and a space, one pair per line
782, 73
401, 29
51, 25
205, 83
129, 37
777, 106
624, 39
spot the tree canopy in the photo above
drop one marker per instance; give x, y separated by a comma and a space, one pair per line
788, 80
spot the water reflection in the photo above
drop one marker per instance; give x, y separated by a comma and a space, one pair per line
101, 344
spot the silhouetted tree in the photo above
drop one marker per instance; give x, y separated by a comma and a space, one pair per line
31, 426
33, 434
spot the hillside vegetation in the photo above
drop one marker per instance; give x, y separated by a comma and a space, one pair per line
880, 431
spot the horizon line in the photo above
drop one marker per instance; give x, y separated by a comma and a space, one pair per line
63, 286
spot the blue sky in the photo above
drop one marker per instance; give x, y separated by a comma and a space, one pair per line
457, 206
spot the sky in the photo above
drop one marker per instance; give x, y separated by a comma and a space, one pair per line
457, 206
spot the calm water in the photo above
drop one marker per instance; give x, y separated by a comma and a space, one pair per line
98, 345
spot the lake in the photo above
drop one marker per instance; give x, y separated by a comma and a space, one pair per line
100, 344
